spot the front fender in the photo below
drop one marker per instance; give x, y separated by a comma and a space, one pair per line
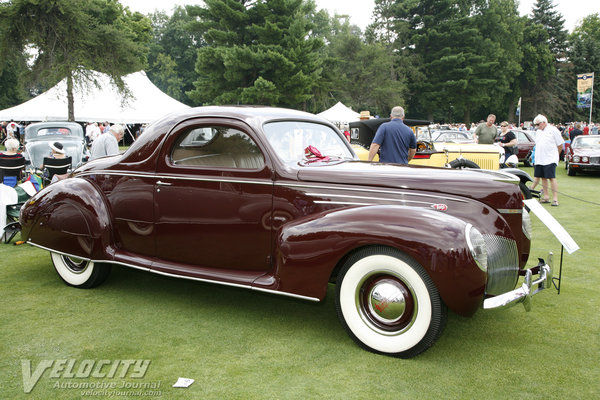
58, 220
308, 249
522, 175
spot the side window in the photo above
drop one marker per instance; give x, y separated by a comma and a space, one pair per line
217, 146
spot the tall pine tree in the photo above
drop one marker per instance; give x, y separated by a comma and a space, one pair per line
257, 52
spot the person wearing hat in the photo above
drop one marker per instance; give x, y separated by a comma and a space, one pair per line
107, 144
57, 151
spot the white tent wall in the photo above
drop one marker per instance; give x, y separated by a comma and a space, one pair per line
100, 102
340, 114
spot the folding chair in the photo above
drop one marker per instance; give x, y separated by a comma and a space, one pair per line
12, 216
56, 166
11, 170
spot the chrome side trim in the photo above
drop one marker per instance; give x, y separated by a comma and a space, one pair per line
29, 242
510, 210
367, 190
287, 294
347, 203
179, 178
376, 199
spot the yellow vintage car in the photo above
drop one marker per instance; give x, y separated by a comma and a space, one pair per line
429, 151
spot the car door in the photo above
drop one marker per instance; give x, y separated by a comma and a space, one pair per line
213, 201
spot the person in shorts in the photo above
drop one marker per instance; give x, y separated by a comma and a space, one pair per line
548, 145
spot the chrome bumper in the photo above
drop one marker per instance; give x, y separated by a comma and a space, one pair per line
524, 293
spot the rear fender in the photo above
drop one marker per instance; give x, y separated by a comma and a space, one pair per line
308, 249
58, 220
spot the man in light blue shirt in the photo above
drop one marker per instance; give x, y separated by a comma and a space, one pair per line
395, 141
107, 144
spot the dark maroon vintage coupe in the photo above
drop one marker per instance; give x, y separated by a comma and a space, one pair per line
275, 200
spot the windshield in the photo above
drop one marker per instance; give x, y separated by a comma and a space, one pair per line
290, 139
587, 142
452, 136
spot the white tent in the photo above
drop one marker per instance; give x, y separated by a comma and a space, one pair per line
340, 114
98, 103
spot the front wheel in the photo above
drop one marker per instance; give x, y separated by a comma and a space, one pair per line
570, 170
79, 273
388, 303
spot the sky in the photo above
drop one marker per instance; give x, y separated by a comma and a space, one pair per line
360, 11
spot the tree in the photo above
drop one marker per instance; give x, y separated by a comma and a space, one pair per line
262, 51
584, 54
538, 66
13, 80
548, 94
73, 37
361, 75
456, 59
173, 53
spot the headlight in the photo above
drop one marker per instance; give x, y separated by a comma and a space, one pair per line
585, 159
576, 159
526, 224
477, 246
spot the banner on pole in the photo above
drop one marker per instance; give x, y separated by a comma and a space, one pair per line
519, 107
585, 87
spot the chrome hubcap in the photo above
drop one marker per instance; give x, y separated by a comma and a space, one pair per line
386, 302
75, 265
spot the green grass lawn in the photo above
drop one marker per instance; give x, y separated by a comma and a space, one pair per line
239, 344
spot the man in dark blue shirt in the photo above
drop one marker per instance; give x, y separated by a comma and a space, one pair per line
395, 141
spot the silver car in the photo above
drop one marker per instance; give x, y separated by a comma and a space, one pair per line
39, 136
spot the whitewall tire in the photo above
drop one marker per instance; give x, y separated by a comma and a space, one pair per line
79, 273
388, 303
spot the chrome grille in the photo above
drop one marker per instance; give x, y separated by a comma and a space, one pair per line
485, 163
594, 160
503, 264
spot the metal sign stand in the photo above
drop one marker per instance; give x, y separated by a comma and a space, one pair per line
559, 279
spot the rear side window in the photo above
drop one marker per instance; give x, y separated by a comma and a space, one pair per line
216, 146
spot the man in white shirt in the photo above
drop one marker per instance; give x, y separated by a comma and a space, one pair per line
548, 145
107, 144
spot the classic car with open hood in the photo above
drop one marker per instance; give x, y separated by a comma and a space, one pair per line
275, 200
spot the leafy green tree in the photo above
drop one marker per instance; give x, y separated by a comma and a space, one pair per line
173, 53
251, 47
361, 75
457, 61
13, 80
584, 54
548, 94
538, 66
73, 37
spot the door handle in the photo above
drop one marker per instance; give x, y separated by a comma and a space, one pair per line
163, 183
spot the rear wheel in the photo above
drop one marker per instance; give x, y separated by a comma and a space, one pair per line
78, 272
388, 303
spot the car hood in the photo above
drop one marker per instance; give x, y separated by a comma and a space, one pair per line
495, 188
586, 152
